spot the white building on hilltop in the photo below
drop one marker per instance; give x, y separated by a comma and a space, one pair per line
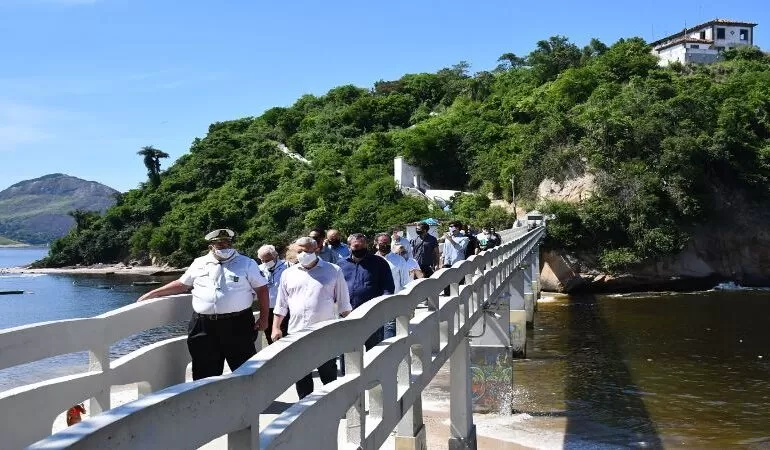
703, 44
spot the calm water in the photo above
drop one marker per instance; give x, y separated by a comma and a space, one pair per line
56, 297
652, 370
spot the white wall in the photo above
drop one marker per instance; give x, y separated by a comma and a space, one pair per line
671, 54
404, 174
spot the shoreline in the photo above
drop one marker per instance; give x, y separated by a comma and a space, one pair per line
98, 269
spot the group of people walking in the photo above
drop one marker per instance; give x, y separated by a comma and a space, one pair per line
320, 278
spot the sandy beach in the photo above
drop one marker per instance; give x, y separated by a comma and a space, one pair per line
99, 269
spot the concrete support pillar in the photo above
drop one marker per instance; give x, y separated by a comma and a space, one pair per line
518, 316
462, 429
529, 295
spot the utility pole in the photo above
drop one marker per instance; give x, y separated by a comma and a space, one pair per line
513, 193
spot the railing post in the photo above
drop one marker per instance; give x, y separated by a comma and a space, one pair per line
245, 439
356, 415
99, 359
462, 429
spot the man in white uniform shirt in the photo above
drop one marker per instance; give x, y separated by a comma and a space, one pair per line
272, 268
398, 269
224, 284
308, 292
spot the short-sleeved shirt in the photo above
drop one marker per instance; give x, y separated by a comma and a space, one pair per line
273, 277
220, 287
454, 249
411, 265
424, 249
399, 270
309, 295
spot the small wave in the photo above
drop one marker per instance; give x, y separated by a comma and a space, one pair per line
22, 275
733, 286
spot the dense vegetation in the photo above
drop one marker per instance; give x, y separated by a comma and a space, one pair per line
663, 144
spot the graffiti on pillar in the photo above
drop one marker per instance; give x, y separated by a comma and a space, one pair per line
492, 384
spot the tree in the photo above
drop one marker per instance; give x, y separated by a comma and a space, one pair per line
152, 158
553, 56
510, 61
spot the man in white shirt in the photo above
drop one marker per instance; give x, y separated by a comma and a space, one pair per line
272, 268
411, 264
224, 284
307, 293
399, 270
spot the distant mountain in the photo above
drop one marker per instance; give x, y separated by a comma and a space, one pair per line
35, 211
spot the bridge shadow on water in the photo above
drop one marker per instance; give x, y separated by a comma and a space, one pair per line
603, 405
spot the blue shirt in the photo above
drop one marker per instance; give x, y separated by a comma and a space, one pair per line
367, 279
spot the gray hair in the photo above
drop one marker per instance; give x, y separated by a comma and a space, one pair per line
267, 249
306, 241
379, 235
356, 237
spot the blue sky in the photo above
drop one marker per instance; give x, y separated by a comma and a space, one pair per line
85, 83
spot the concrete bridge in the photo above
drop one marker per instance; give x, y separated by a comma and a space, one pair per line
491, 297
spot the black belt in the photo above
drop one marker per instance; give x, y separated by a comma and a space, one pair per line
223, 315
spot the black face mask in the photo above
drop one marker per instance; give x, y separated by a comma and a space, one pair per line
420, 232
334, 243
383, 248
358, 253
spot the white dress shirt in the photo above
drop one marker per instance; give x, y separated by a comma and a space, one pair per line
222, 287
309, 295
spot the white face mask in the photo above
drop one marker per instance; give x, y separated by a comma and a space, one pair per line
224, 253
306, 259
270, 264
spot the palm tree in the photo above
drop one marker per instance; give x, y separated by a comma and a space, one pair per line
152, 158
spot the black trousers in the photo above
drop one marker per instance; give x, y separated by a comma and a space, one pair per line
328, 373
212, 342
427, 271
269, 329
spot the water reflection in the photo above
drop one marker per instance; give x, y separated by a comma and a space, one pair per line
599, 385
673, 370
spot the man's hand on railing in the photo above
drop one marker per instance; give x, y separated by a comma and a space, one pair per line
277, 334
174, 287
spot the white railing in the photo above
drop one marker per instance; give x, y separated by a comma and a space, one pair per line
29, 411
393, 374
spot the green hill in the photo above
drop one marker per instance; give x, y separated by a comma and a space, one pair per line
6, 241
37, 211
672, 151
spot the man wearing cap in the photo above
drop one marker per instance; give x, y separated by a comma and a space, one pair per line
223, 284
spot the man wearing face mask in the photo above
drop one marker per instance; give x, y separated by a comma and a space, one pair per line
398, 239
224, 284
307, 294
336, 246
368, 276
425, 249
272, 268
455, 245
